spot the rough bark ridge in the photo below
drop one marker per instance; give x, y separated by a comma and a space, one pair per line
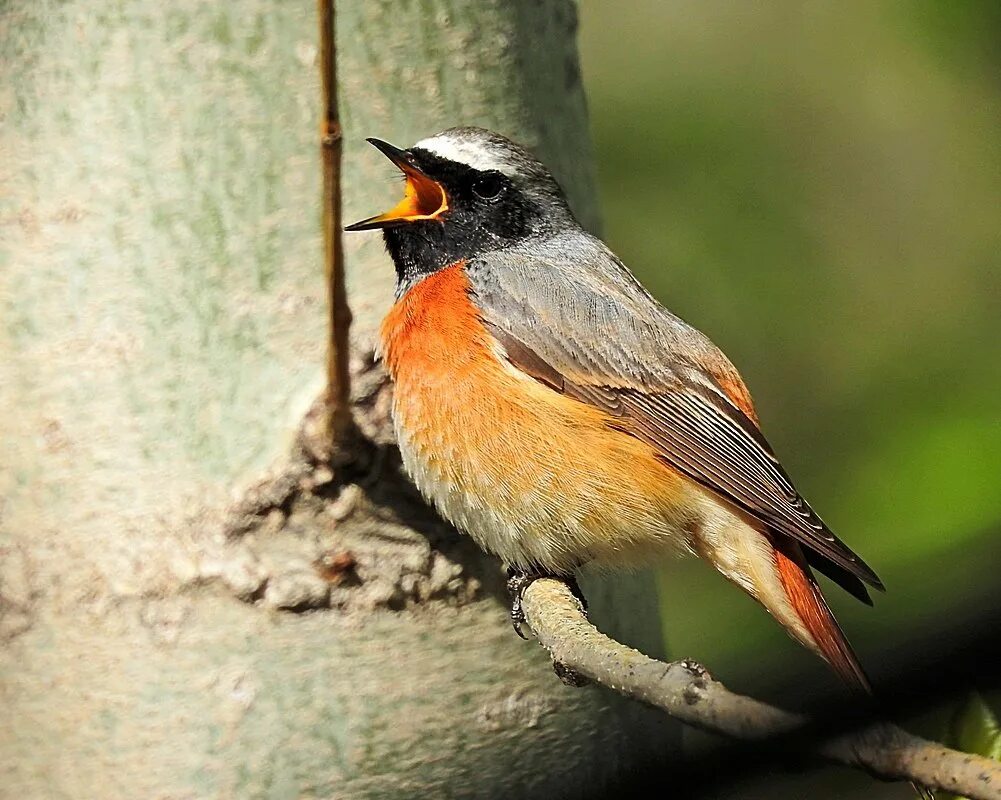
162, 633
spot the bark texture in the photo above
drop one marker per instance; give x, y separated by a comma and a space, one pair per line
171, 627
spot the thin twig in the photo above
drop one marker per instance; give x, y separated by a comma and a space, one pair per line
338, 408
688, 693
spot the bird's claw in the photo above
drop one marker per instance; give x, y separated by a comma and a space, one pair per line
517, 582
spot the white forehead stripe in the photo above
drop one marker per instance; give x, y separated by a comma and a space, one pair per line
477, 155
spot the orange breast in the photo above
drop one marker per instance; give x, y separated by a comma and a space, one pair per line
434, 332
536, 477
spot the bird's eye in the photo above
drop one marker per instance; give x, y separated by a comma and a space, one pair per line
489, 186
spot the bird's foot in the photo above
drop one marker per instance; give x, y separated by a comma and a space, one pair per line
519, 580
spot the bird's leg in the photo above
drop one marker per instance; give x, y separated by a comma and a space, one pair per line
517, 581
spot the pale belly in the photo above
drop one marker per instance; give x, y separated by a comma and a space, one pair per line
539, 479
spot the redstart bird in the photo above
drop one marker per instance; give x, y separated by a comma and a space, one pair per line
553, 410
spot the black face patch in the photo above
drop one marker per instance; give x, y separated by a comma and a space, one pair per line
486, 211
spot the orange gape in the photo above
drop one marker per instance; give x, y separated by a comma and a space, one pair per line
536, 477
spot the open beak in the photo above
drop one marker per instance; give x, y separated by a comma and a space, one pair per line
423, 197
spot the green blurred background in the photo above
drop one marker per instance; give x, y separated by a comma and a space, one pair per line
817, 185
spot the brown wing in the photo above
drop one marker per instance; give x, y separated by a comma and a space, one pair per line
700, 431
568, 313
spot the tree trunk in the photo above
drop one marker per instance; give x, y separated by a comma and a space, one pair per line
170, 627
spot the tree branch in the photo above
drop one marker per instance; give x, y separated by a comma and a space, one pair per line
337, 423
689, 694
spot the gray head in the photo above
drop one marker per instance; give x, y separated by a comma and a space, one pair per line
469, 191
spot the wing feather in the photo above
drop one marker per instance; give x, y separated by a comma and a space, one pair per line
715, 444
662, 381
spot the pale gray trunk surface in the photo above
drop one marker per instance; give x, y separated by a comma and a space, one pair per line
161, 331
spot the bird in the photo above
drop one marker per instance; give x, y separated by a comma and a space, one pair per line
552, 409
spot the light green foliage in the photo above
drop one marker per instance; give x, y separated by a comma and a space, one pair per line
818, 187
975, 729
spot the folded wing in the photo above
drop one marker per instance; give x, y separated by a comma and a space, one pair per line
604, 341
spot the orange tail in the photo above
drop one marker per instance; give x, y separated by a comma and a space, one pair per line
806, 600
